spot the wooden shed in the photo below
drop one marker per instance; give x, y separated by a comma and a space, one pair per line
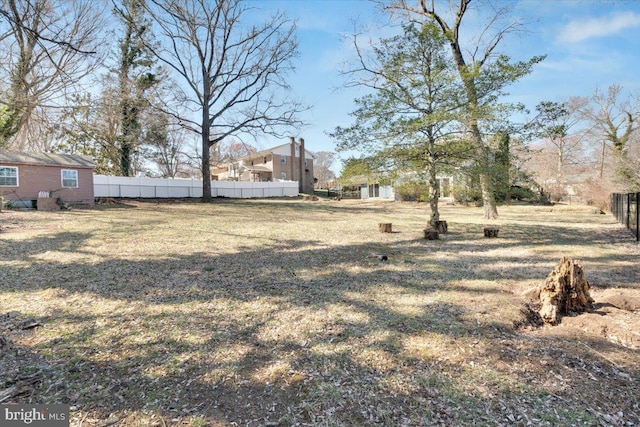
23, 176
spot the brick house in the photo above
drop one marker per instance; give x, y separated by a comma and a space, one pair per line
280, 163
68, 177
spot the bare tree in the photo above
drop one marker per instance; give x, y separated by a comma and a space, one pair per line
6, 13
323, 163
483, 73
48, 47
613, 119
90, 126
234, 73
233, 149
168, 150
555, 123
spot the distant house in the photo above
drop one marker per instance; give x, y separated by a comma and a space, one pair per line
281, 163
23, 176
370, 191
386, 191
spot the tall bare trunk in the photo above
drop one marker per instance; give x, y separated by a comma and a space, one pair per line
206, 145
604, 146
482, 153
486, 183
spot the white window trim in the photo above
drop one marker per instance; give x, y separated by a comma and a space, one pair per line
62, 178
283, 159
17, 176
283, 175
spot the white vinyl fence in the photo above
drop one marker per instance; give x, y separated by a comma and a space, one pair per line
157, 188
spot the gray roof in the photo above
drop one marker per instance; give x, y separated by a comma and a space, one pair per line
261, 153
50, 159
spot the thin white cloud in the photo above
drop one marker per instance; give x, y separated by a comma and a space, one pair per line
577, 31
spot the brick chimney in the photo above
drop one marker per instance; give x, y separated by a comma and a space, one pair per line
302, 168
292, 146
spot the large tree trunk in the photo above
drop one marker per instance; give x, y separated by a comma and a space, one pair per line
125, 157
206, 144
488, 197
434, 190
482, 152
486, 182
565, 291
206, 166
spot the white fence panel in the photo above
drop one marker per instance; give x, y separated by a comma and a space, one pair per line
138, 187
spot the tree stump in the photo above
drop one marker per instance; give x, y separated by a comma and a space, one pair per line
491, 231
431, 234
384, 227
441, 226
47, 204
565, 291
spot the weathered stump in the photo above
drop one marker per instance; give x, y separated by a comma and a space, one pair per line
565, 291
431, 234
308, 198
491, 231
384, 227
441, 226
47, 204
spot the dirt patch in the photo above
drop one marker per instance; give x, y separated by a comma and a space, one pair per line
615, 316
622, 299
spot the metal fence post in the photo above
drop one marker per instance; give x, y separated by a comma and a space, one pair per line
638, 217
612, 204
628, 213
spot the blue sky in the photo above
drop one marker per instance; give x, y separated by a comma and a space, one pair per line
588, 43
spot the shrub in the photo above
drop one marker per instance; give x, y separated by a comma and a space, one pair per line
413, 191
596, 193
521, 193
463, 193
556, 192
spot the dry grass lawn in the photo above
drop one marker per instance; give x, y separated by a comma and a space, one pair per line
278, 313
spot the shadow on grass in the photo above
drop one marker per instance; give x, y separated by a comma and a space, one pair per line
261, 337
238, 376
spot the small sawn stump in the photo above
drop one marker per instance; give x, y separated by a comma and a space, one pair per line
491, 231
384, 227
431, 234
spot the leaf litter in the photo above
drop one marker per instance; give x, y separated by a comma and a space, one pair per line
282, 313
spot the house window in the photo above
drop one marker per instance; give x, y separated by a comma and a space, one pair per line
8, 176
283, 159
69, 178
283, 175
264, 160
